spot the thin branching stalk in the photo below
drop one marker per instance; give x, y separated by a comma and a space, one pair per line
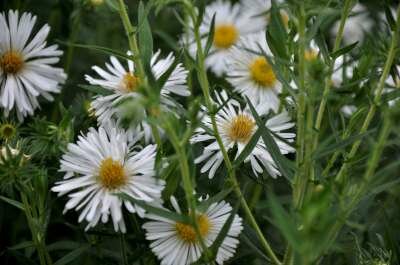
187, 185
204, 84
377, 99
37, 235
130, 31
328, 80
123, 249
367, 178
301, 178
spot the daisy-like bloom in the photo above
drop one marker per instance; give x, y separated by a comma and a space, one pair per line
123, 83
102, 163
236, 127
356, 25
259, 11
251, 74
231, 23
26, 70
176, 243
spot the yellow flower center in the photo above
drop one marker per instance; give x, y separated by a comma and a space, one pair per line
187, 232
241, 128
225, 36
261, 72
130, 82
11, 62
112, 174
310, 55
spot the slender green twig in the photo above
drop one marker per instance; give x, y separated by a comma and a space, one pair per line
204, 84
328, 80
123, 249
301, 178
377, 99
133, 45
37, 235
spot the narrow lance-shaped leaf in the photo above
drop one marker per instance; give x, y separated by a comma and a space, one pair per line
71, 256
210, 38
98, 48
284, 222
248, 149
280, 161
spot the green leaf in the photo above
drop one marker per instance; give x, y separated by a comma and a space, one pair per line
101, 49
276, 34
284, 222
13, 202
73, 255
98, 90
145, 38
25, 244
281, 161
155, 210
167, 74
323, 151
248, 149
344, 50
210, 38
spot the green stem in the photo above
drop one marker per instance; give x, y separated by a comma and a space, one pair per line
132, 41
367, 179
37, 236
204, 84
378, 94
123, 249
133, 46
72, 38
301, 178
187, 185
328, 79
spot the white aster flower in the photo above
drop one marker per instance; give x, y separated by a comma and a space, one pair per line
259, 11
356, 25
251, 74
176, 243
236, 127
102, 163
231, 23
26, 70
123, 83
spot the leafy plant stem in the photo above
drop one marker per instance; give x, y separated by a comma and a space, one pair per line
368, 177
37, 235
133, 45
204, 84
187, 183
123, 249
376, 102
328, 81
301, 178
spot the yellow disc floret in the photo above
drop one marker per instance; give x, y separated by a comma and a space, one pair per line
261, 73
241, 128
225, 36
112, 174
187, 232
11, 62
130, 82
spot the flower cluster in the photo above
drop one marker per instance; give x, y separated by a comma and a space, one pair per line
111, 171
